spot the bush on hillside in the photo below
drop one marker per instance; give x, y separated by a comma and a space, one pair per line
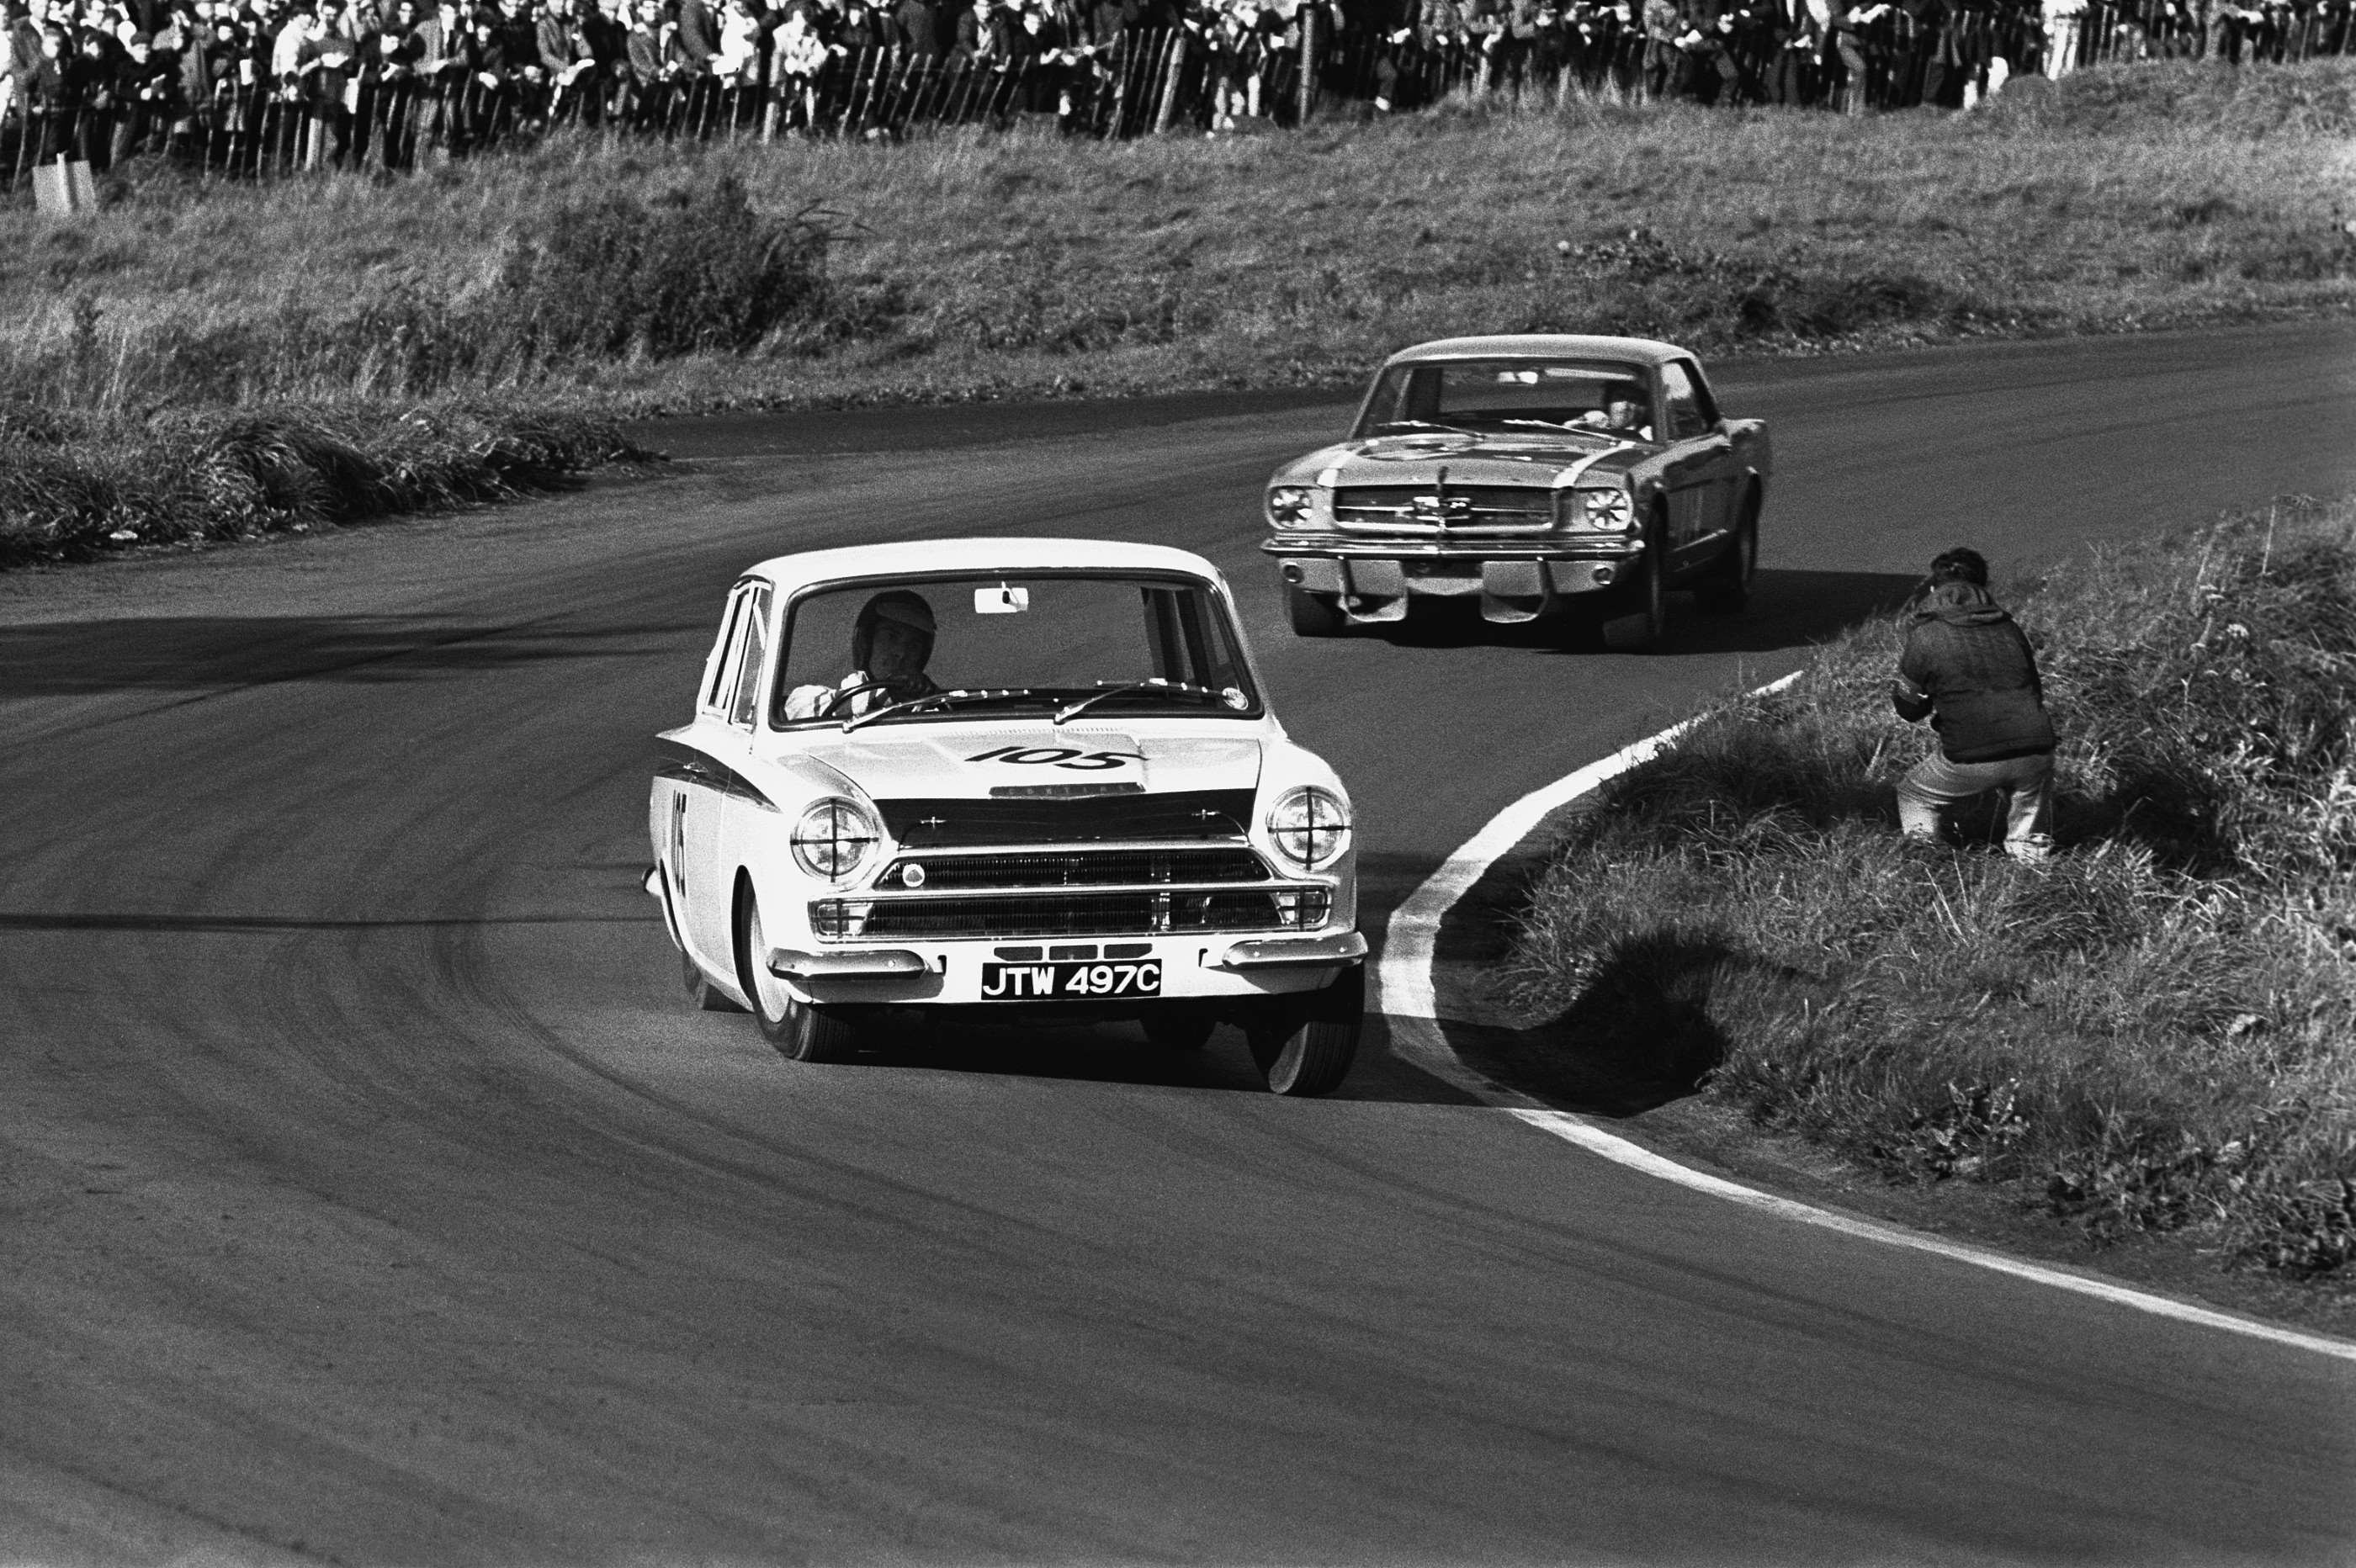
697, 270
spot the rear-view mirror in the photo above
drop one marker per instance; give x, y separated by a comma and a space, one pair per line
1003, 599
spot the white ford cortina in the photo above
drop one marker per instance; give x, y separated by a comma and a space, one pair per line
1037, 779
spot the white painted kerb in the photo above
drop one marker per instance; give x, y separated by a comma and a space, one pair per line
1405, 995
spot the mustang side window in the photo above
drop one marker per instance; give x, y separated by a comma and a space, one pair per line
1702, 399
749, 666
1684, 407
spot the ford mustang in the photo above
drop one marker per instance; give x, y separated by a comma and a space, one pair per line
1037, 779
1576, 479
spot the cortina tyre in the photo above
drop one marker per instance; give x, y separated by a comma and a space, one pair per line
1304, 1045
707, 996
1728, 588
1314, 614
799, 1030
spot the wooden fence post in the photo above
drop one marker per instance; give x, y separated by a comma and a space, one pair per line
1309, 53
1169, 109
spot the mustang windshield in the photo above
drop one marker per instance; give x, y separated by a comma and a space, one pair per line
1497, 395
1058, 644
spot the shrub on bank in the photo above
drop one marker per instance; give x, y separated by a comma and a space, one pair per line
696, 269
2155, 1032
73, 486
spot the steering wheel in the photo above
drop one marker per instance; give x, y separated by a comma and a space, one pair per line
846, 693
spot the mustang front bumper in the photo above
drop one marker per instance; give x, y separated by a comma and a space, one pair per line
1374, 579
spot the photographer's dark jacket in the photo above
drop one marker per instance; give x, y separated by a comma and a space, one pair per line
1969, 670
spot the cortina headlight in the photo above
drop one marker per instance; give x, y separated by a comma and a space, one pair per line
833, 837
1605, 511
1310, 827
1288, 505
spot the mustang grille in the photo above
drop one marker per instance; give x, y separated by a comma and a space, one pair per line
1067, 914
1207, 813
1079, 870
1510, 509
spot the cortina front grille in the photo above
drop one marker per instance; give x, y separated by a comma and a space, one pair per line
1198, 816
1069, 914
1077, 870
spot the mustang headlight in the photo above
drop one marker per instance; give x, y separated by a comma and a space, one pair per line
833, 836
1288, 505
1605, 511
1310, 827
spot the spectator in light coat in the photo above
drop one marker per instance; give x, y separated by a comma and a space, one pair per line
737, 61
286, 50
1969, 669
800, 56
2063, 20
10, 18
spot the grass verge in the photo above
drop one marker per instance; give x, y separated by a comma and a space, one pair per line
73, 486
2156, 1032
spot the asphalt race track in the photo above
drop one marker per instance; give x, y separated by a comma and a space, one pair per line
368, 1194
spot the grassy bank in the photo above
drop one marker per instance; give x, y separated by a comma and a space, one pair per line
976, 265
75, 485
205, 361
2155, 1032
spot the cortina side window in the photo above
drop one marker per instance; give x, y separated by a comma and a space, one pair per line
754, 658
723, 679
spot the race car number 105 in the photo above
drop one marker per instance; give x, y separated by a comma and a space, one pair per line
1009, 982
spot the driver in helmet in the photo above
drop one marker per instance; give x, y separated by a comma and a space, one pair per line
889, 643
1624, 411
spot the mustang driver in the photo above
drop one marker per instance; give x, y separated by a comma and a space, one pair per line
889, 643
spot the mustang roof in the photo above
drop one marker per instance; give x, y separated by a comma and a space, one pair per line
1643, 350
926, 557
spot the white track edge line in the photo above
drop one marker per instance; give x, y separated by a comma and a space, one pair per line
1407, 997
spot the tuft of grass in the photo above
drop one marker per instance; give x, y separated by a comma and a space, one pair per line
2154, 1032
75, 485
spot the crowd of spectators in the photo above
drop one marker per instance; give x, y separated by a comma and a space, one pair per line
354, 81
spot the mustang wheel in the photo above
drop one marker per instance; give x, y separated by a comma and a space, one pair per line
1728, 588
1638, 628
1314, 614
1304, 1045
802, 1030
